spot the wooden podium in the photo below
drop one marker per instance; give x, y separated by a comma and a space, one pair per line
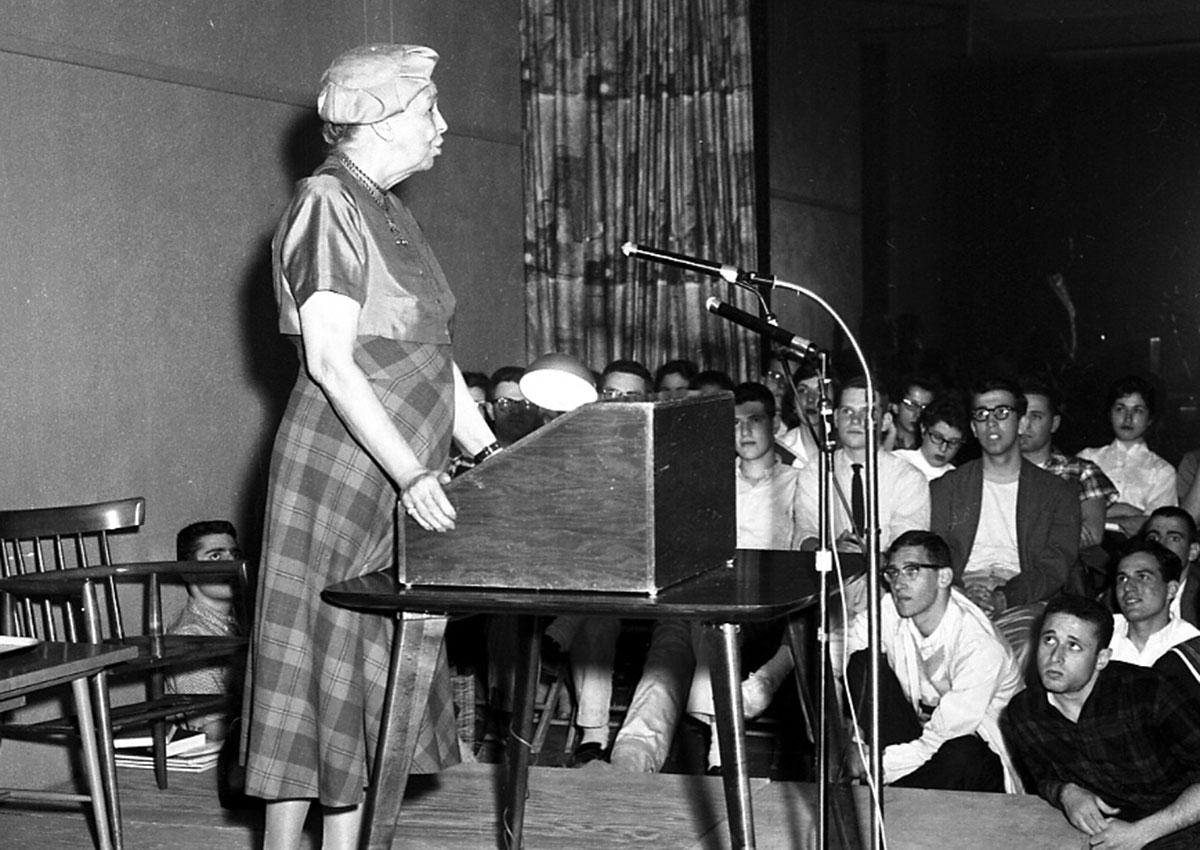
613, 497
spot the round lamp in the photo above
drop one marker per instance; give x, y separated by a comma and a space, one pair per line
558, 382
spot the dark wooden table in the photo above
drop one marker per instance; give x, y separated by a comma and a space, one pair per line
760, 586
35, 668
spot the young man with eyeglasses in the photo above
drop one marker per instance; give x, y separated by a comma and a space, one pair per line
1012, 528
949, 674
514, 415
943, 430
918, 394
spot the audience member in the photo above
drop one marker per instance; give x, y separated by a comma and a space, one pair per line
210, 612
1147, 581
767, 518
514, 415
805, 399
480, 387
591, 642
903, 490
1012, 528
1144, 481
1114, 746
943, 427
918, 394
711, 381
1175, 529
674, 377
948, 676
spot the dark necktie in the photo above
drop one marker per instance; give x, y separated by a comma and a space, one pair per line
858, 507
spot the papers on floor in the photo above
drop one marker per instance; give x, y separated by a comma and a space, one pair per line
187, 751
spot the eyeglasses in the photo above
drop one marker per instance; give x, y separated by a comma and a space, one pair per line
908, 571
773, 375
914, 405
613, 394
514, 405
1000, 412
944, 443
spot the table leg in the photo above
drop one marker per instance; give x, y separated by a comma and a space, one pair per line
520, 732
731, 725
91, 762
415, 649
107, 754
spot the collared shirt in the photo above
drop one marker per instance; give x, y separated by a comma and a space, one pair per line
1142, 478
903, 497
1093, 483
917, 459
767, 513
1123, 648
1136, 744
964, 670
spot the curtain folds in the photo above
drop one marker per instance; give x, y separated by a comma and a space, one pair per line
638, 127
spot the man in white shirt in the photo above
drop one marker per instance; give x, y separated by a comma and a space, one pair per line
903, 490
949, 674
1147, 579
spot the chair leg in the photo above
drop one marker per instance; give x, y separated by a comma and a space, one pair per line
158, 731
91, 763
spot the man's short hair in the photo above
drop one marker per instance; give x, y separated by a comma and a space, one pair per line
1036, 386
859, 382
189, 536
477, 379
949, 409
686, 369
712, 378
1086, 609
932, 543
996, 384
1173, 512
1168, 562
506, 374
908, 381
754, 391
629, 367
1128, 385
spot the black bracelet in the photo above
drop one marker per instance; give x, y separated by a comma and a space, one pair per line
487, 452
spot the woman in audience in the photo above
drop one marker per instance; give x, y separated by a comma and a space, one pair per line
361, 293
1144, 481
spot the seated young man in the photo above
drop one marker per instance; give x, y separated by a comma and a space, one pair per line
949, 674
1147, 580
209, 612
1175, 529
943, 428
767, 518
1114, 746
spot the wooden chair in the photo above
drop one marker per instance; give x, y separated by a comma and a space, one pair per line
60, 584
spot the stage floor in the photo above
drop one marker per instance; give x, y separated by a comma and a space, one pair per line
594, 807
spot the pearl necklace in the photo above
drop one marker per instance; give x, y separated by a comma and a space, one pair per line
378, 195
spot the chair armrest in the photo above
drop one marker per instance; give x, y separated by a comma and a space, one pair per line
70, 582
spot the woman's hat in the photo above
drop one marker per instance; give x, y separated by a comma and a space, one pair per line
373, 82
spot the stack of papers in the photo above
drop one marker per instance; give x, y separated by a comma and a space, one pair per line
187, 752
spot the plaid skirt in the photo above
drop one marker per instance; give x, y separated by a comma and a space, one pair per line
317, 673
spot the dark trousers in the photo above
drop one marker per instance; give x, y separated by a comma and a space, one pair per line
960, 764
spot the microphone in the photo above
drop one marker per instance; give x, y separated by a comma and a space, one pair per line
760, 326
731, 274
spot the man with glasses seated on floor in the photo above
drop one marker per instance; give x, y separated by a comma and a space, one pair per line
1012, 528
949, 674
943, 430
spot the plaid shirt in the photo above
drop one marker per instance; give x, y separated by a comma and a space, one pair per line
1093, 483
1136, 744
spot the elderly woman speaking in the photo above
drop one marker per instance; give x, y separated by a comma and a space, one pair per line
372, 414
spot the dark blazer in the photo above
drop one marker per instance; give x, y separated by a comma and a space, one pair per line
1047, 526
